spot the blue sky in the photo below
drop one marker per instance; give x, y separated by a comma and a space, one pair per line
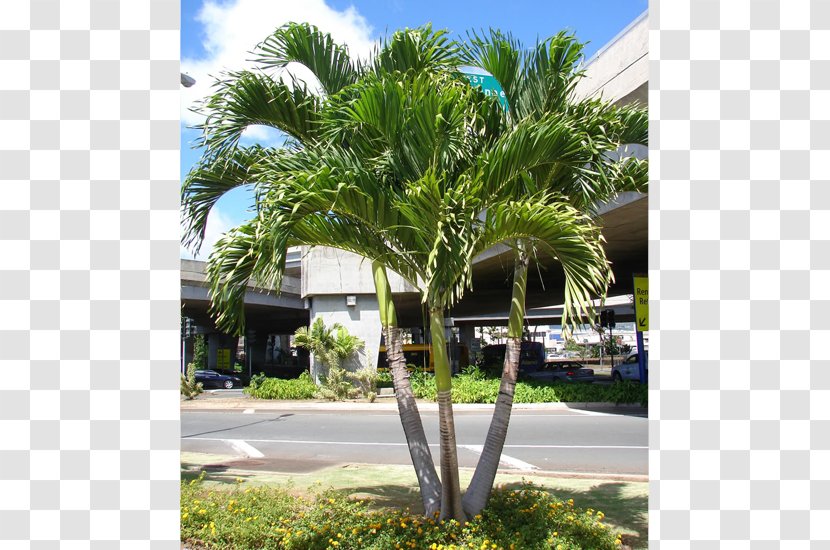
218, 34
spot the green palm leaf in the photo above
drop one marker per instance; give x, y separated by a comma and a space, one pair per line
306, 44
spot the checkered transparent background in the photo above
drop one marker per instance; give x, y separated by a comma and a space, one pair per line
89, 281
739, 252
739, 257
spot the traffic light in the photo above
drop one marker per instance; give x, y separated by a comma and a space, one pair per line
188, 328
603, 318
611, 323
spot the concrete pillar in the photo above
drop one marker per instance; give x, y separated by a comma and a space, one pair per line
256, 349
285, 343
213, 348
466, 335
361, 320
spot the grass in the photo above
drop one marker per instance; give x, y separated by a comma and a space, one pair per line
624, 503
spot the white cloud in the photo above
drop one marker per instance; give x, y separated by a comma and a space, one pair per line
217, 225
232, 29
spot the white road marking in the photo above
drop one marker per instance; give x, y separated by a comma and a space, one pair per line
244, 448
577, 446
248, 411
504, 459
584, 412
475, 448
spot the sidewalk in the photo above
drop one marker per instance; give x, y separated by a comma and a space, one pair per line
387, 404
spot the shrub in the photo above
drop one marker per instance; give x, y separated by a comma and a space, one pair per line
469, 387
262, 517
384, 380
276, 388
189, 387
366, 380
200, 351
474, 387
335, 385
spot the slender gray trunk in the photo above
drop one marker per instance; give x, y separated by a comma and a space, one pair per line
485, 473
475, 499
413, 428
451, 507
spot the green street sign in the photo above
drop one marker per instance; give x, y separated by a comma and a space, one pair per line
489, 85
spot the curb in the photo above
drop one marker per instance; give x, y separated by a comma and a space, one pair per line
243, 403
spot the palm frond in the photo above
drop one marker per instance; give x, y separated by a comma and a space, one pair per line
306, 44
416, 50
209, 180
245, 98
554, 227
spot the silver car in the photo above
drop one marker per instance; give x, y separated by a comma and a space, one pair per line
628, 368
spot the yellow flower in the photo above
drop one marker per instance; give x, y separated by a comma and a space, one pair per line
184, 516
202, 512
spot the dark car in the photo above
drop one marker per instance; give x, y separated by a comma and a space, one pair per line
243, 377
531, 357
212, 379
562, 371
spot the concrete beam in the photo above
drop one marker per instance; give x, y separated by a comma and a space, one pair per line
620, 68
253, 297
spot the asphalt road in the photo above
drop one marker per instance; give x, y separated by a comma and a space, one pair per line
568, 441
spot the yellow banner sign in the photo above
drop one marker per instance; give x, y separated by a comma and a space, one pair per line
641, 303
223, 359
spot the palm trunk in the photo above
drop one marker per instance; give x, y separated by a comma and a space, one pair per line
413, 428
485, 473
451, 507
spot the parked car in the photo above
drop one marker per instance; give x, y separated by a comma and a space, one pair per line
212, 379
628, 368
562, 371
243, 377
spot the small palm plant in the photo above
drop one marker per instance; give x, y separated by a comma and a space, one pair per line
189, 387
330, 346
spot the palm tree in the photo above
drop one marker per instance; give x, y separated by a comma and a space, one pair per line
246, 98
419, 189
539, 82
329, 345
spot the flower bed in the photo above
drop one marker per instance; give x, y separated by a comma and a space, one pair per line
262, 517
